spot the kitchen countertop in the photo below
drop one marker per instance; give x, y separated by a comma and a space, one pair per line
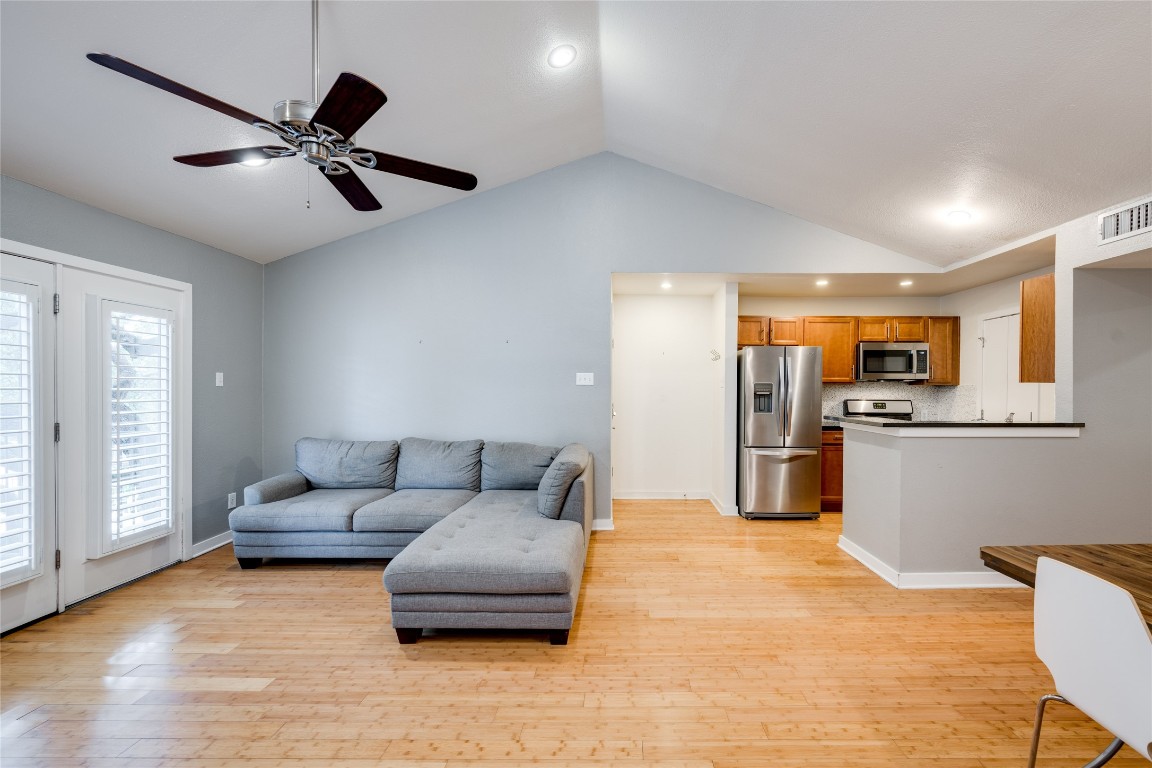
879, 421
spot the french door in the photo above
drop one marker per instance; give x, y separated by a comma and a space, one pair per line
95, 451
28, 576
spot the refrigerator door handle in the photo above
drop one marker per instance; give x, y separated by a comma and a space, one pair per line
785, 453
789, 397
782, 395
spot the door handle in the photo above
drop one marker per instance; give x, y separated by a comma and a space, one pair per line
787, 453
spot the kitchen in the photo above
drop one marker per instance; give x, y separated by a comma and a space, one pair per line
670, 398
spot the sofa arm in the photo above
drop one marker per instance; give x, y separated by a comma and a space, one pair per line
580, 506
276, 488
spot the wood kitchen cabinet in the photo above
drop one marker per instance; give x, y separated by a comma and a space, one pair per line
1038, 329
786, 331
832, 471
944, 350
836, 336
892, 329
751, 331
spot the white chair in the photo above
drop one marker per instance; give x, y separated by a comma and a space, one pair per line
1093, 639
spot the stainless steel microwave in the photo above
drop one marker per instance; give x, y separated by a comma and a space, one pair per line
880, 361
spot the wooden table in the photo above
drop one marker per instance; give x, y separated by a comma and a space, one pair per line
1126, 565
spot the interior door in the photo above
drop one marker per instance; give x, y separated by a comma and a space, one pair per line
28, 574
1002, 394
123, 488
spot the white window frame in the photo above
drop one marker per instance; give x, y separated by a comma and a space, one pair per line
104, 538
35, 565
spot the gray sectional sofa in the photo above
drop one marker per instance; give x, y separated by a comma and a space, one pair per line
480, 534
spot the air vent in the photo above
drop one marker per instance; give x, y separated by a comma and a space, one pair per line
1127, 222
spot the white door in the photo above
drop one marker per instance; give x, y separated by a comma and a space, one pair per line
28, 575
1002, 394
122, 465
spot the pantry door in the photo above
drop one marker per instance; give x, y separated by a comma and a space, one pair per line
28, 575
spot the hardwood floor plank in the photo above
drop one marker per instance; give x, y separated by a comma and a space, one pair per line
700, 641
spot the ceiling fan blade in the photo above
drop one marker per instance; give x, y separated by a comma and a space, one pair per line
173, 87
227, 156
414, 169
353, 189
349, 104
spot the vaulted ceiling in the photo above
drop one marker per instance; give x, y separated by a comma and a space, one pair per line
872, 118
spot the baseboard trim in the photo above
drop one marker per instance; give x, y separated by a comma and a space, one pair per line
661, 495
603, 525
940, 580
730, 510
206, 546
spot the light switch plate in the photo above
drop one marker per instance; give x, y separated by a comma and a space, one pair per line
232, 500
219, 378
584, 380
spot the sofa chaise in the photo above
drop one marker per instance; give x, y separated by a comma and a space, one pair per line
480, 534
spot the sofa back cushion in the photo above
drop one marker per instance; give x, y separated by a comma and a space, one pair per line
347, 463
566, 467
514, 466
439, 464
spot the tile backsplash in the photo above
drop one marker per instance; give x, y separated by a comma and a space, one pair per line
929, 403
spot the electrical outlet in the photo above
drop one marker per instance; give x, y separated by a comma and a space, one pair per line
584, 380
232, 500
219, 378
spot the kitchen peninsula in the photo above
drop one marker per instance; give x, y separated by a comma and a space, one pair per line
921, 498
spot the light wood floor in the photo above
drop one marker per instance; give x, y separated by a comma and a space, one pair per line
701, 641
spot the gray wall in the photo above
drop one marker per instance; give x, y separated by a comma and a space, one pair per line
1112, 345
472, 320
227, 307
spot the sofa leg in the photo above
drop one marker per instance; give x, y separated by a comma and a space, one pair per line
247, 563
558, 637
408, 635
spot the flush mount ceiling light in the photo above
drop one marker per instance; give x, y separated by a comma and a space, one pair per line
905, 283
959, 217
562, 56
821, 283
665, 285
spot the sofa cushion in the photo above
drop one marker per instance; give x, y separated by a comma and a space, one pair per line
504, 549
514, 466
347, 463
411, 509
439, 464
566, 467
326, 509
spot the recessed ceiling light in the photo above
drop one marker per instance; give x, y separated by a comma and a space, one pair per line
665, 285
562, 56
256, 162
905, 283
959, 217
821, 283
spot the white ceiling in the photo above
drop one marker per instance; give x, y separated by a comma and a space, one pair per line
872, 118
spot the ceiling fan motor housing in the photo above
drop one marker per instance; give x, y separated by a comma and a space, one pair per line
316, 143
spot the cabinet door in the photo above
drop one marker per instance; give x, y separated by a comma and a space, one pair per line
837, 337
908, 329
944, 350
750, 331
874, 328
786, 331
1038, 329
832, 471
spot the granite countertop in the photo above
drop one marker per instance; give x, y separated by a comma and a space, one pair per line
878, 421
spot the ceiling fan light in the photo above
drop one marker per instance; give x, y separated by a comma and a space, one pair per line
562, 56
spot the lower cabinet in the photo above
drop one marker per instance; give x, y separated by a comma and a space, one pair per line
832, 471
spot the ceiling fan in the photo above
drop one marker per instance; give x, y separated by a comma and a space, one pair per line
323, 132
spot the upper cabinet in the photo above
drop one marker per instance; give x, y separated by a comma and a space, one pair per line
786, 331
1038, 329
893, 328
837, 337
943, 350
751, 331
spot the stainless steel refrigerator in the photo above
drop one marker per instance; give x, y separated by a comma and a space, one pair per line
778, 471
